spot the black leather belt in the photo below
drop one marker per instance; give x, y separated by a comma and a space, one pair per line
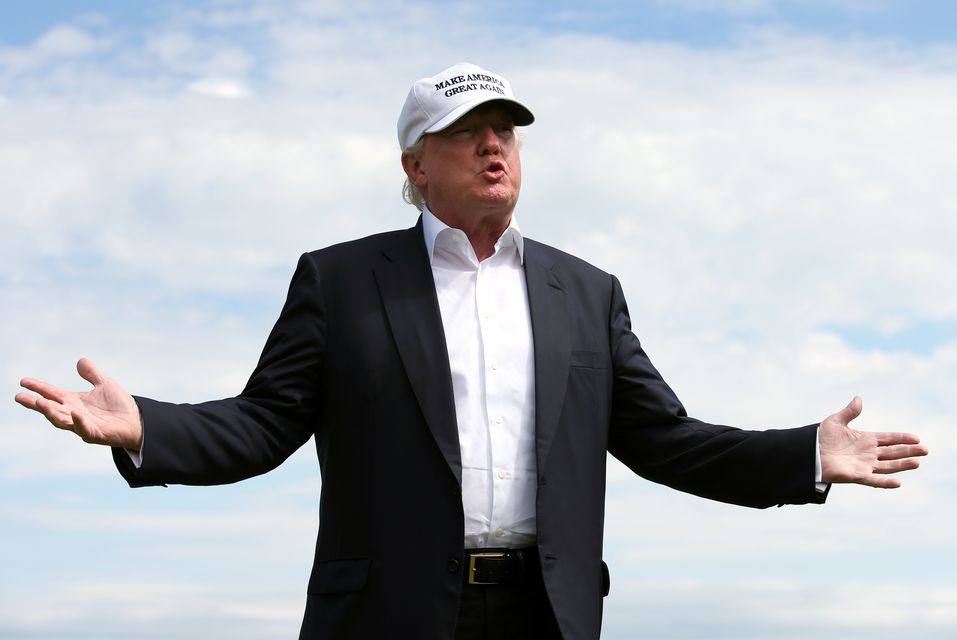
500, 566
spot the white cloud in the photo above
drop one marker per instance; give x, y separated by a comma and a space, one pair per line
781, 609
95, 609
175, 49
61, 45
220, 88
262, 522
775, 8
65, 41
719, 6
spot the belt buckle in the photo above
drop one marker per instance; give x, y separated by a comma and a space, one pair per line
483, 554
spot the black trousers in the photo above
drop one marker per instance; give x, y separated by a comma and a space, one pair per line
514, 611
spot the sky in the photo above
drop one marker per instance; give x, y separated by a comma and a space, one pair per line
772, 181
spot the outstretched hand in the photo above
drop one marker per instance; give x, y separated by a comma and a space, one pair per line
864, 457
105, 415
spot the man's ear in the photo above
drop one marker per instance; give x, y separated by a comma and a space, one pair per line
414, 170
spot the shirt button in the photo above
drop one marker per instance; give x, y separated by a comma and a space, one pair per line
499, 533
498, 419
453, 565
494, 366
502, 474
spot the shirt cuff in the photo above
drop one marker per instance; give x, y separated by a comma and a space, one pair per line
819, 486
137, 456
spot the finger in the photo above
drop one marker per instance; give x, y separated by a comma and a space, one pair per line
27, 400
851, 411
881, 482
89, 372
51, 410
45, 389
896, 466
900, 451
892, 437
55, 412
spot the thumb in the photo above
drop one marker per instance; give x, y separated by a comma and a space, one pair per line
851, 411
89, 372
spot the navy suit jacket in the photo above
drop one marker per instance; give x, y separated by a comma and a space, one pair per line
358, 359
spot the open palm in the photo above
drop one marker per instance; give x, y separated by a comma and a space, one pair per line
865, 457
107, 414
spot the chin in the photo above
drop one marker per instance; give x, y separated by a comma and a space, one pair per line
500, 196
504, 205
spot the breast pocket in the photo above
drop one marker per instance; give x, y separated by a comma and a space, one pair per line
587, 359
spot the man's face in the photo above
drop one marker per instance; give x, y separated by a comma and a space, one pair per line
470, 170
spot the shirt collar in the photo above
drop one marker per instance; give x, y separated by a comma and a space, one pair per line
432, 227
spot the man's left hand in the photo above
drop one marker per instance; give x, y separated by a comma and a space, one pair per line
864, 457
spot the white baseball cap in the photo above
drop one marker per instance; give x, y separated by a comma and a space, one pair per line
435, 103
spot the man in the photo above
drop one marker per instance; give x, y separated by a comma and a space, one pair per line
463, 384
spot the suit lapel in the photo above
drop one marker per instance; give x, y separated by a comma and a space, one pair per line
551, 338
408, 295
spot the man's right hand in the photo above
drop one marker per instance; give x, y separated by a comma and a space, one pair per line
105, 415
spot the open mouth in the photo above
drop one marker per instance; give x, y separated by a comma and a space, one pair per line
495, 169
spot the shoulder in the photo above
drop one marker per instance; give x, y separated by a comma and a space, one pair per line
350, 266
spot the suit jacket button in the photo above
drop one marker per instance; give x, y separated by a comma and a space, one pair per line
453, 565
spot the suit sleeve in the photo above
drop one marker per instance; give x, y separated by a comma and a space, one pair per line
652, 434
228, 440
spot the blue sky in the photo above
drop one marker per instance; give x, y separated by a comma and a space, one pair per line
772, 182
708, 23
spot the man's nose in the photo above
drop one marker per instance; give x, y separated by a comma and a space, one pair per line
489, 141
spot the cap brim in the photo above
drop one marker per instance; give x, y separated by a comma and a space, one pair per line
521, 116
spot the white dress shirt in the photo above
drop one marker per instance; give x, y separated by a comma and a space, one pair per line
488, 330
